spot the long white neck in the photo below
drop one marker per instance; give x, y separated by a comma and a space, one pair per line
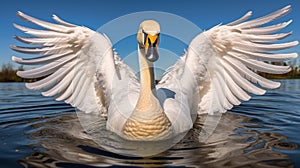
147, 81
148, 120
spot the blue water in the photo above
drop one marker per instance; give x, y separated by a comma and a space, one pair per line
39, 132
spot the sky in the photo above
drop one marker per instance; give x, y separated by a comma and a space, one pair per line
93, 14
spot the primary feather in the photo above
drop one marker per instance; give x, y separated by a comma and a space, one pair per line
230, 55
70, 57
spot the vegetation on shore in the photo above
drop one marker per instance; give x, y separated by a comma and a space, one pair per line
9, 74
293, 74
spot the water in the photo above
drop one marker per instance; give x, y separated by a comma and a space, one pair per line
39, 132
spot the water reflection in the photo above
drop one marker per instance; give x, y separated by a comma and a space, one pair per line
235, 143
40, 132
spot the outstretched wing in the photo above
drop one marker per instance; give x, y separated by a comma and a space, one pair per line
224, 60
78, 65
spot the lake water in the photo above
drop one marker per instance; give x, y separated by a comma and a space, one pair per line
39, 132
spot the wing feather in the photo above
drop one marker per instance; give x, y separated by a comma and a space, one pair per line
39, 33
71, 58
52, 79
240, 80
228, 93
41, 60
224, 61
262, 66
257, 47
58, 20
240, 20
234, 87
252, 76
265, 38
267, 29
266, 19
61, 85
47, 25
221, 97
40, 50
44, 41
262, 56
44, 70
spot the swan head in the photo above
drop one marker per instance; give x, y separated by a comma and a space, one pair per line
148, 39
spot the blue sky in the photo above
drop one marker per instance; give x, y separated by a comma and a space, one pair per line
94, 13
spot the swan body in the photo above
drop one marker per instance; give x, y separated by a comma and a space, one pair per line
216, 73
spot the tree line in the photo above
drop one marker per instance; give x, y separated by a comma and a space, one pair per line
293, 74
9, 74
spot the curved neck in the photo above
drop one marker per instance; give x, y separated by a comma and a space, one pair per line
148, 120
147, 80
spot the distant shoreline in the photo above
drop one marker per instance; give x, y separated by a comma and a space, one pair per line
33, 80
9, 74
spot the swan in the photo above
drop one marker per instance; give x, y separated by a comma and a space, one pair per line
217, 72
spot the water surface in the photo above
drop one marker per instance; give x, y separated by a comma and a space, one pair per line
39, 132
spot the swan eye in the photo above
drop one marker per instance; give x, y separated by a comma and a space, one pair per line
145, 36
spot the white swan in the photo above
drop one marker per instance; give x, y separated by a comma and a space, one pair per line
216, 72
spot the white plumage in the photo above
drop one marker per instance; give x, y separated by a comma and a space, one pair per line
217, 72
